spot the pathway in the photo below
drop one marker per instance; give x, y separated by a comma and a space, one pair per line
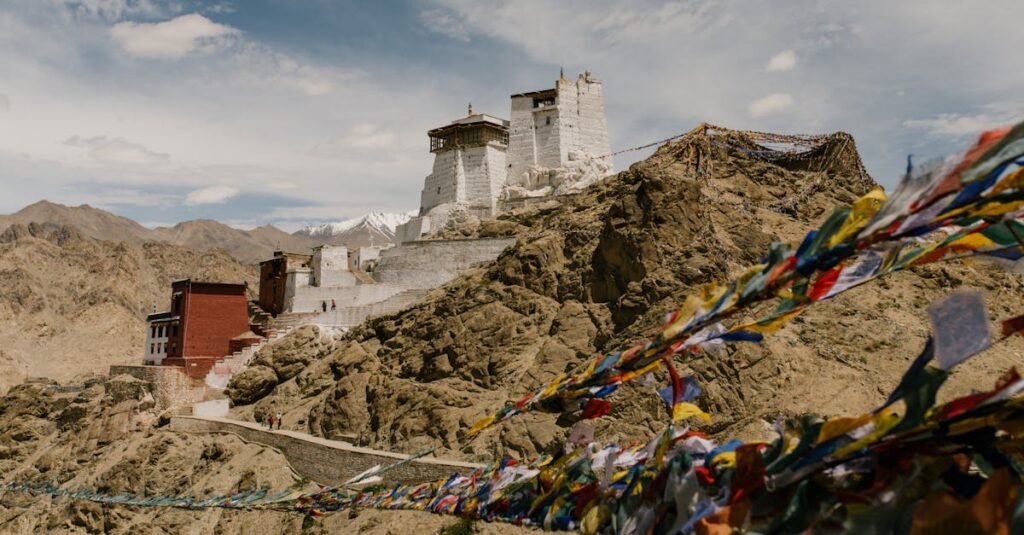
329, 462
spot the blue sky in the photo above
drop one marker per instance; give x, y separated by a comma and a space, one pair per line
301, 111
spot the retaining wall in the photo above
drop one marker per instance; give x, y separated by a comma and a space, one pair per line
326, 461
428, 264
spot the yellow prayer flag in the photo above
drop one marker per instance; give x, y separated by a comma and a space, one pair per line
595, 518
860, 214
683, 411
480, 425
840, 426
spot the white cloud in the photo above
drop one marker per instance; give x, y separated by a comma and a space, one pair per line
958, 125
265, 66
445, 22
361, 137
171, 39
115, 9
116, 150
211, 195
773, 103
783, 61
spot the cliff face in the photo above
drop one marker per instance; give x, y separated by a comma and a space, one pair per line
599, 272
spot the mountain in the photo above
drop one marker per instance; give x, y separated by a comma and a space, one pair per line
375, 228
71, 304
248, 246
90, 221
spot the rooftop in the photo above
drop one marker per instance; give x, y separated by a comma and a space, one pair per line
476, 118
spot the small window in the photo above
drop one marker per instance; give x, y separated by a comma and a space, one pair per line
152, 348
439, 190
152, 332
547, 120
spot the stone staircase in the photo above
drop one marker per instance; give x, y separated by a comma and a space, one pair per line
364, 277
222, 370
261, 319
291, 320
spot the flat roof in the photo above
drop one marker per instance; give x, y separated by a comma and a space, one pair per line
209, 284
161, 316
542, 93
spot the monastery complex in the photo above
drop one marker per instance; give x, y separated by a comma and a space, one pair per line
554, 144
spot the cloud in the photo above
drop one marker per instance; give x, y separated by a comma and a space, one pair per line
266, 66
171, 39
773, 103
783, 61
959, 125
211, 195
5, 102
116, 150
361, 137
445, 22
115, 9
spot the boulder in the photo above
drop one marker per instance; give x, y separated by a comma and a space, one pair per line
251, 384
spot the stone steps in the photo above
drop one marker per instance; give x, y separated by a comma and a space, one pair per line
238, 361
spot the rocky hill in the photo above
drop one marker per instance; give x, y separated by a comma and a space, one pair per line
599, 272
70, 304
107, 434
247, 246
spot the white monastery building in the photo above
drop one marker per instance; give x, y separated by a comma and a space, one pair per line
555, 144
556, 129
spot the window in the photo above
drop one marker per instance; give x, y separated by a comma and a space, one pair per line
174, 330
439, 190
547, 120
152, 348
152, 331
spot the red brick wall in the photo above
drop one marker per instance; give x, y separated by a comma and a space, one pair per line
212, 316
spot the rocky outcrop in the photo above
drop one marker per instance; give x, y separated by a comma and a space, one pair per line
278, 362
250, 384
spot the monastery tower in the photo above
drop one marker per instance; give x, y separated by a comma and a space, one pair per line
469, 164
468, 176
552, 128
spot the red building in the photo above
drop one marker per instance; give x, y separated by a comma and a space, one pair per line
197, 330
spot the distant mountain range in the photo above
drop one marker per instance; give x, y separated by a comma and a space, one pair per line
375, 228
247, 246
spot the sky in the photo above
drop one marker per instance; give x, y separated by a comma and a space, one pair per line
295, 112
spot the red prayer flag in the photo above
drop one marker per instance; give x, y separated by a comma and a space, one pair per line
596, 408
1014, 326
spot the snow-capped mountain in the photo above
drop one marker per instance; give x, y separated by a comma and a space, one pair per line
375, 228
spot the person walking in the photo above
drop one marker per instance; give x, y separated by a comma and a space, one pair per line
270, 420
280, 418
334, 306
323, 306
